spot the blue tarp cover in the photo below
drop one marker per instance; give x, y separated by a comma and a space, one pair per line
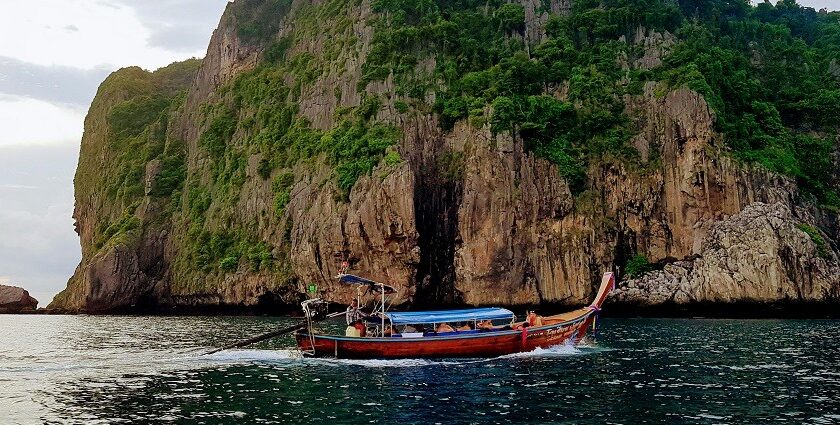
356, 280
420, 317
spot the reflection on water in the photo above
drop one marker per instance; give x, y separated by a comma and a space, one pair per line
79, 369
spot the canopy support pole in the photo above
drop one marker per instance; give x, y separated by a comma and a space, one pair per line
383, 310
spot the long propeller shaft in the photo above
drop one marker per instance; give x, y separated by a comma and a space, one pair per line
269, 335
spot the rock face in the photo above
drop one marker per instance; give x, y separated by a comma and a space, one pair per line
761, 254
16, 300
512, 246
460, 216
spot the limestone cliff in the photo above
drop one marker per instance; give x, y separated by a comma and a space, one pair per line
242, 179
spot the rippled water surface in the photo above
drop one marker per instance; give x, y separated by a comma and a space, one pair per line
79, 369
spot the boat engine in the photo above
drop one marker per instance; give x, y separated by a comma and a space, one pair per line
315, 309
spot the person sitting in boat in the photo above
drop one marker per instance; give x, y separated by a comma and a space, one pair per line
444, 327
485, 325
357, 328
467, 326
411, 329
534, 319
352, 331
390, 330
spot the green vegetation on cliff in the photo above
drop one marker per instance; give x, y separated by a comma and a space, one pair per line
138, 105
770, 74
261, 106
637, 266
257, 20
822, 247
256, 116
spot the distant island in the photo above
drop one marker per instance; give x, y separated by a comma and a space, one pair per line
470, 153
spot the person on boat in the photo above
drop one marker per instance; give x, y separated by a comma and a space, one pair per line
485, 325
467, 326
518, 326
360, 326
390, 330
444, 327
534, 319
354, 313
352, 331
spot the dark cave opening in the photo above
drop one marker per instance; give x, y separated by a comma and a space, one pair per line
436, 201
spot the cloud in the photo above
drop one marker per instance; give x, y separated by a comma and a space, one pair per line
823, 4
114, 33
182, 26
17, 186
30, 121
38, 247
178, 39
51, 83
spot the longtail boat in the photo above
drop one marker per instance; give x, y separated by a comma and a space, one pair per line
490, 340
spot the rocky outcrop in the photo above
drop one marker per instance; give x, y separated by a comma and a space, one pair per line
697, 183
376, 229
654, 47
763, 254
118, 221
121, 277
537, 13
16, 300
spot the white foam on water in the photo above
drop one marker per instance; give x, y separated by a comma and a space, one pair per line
759, 366
236, 356
250, 356
826, 419
560, 350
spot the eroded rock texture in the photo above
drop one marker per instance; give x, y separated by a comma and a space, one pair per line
761, 254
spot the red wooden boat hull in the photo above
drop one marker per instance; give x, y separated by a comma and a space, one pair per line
482, 344
558, 329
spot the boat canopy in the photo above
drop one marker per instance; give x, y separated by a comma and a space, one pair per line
356, 280
420, 317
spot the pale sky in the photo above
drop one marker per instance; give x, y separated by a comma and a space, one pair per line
818, 4
53, 55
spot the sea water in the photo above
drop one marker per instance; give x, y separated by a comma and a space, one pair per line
111, 369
